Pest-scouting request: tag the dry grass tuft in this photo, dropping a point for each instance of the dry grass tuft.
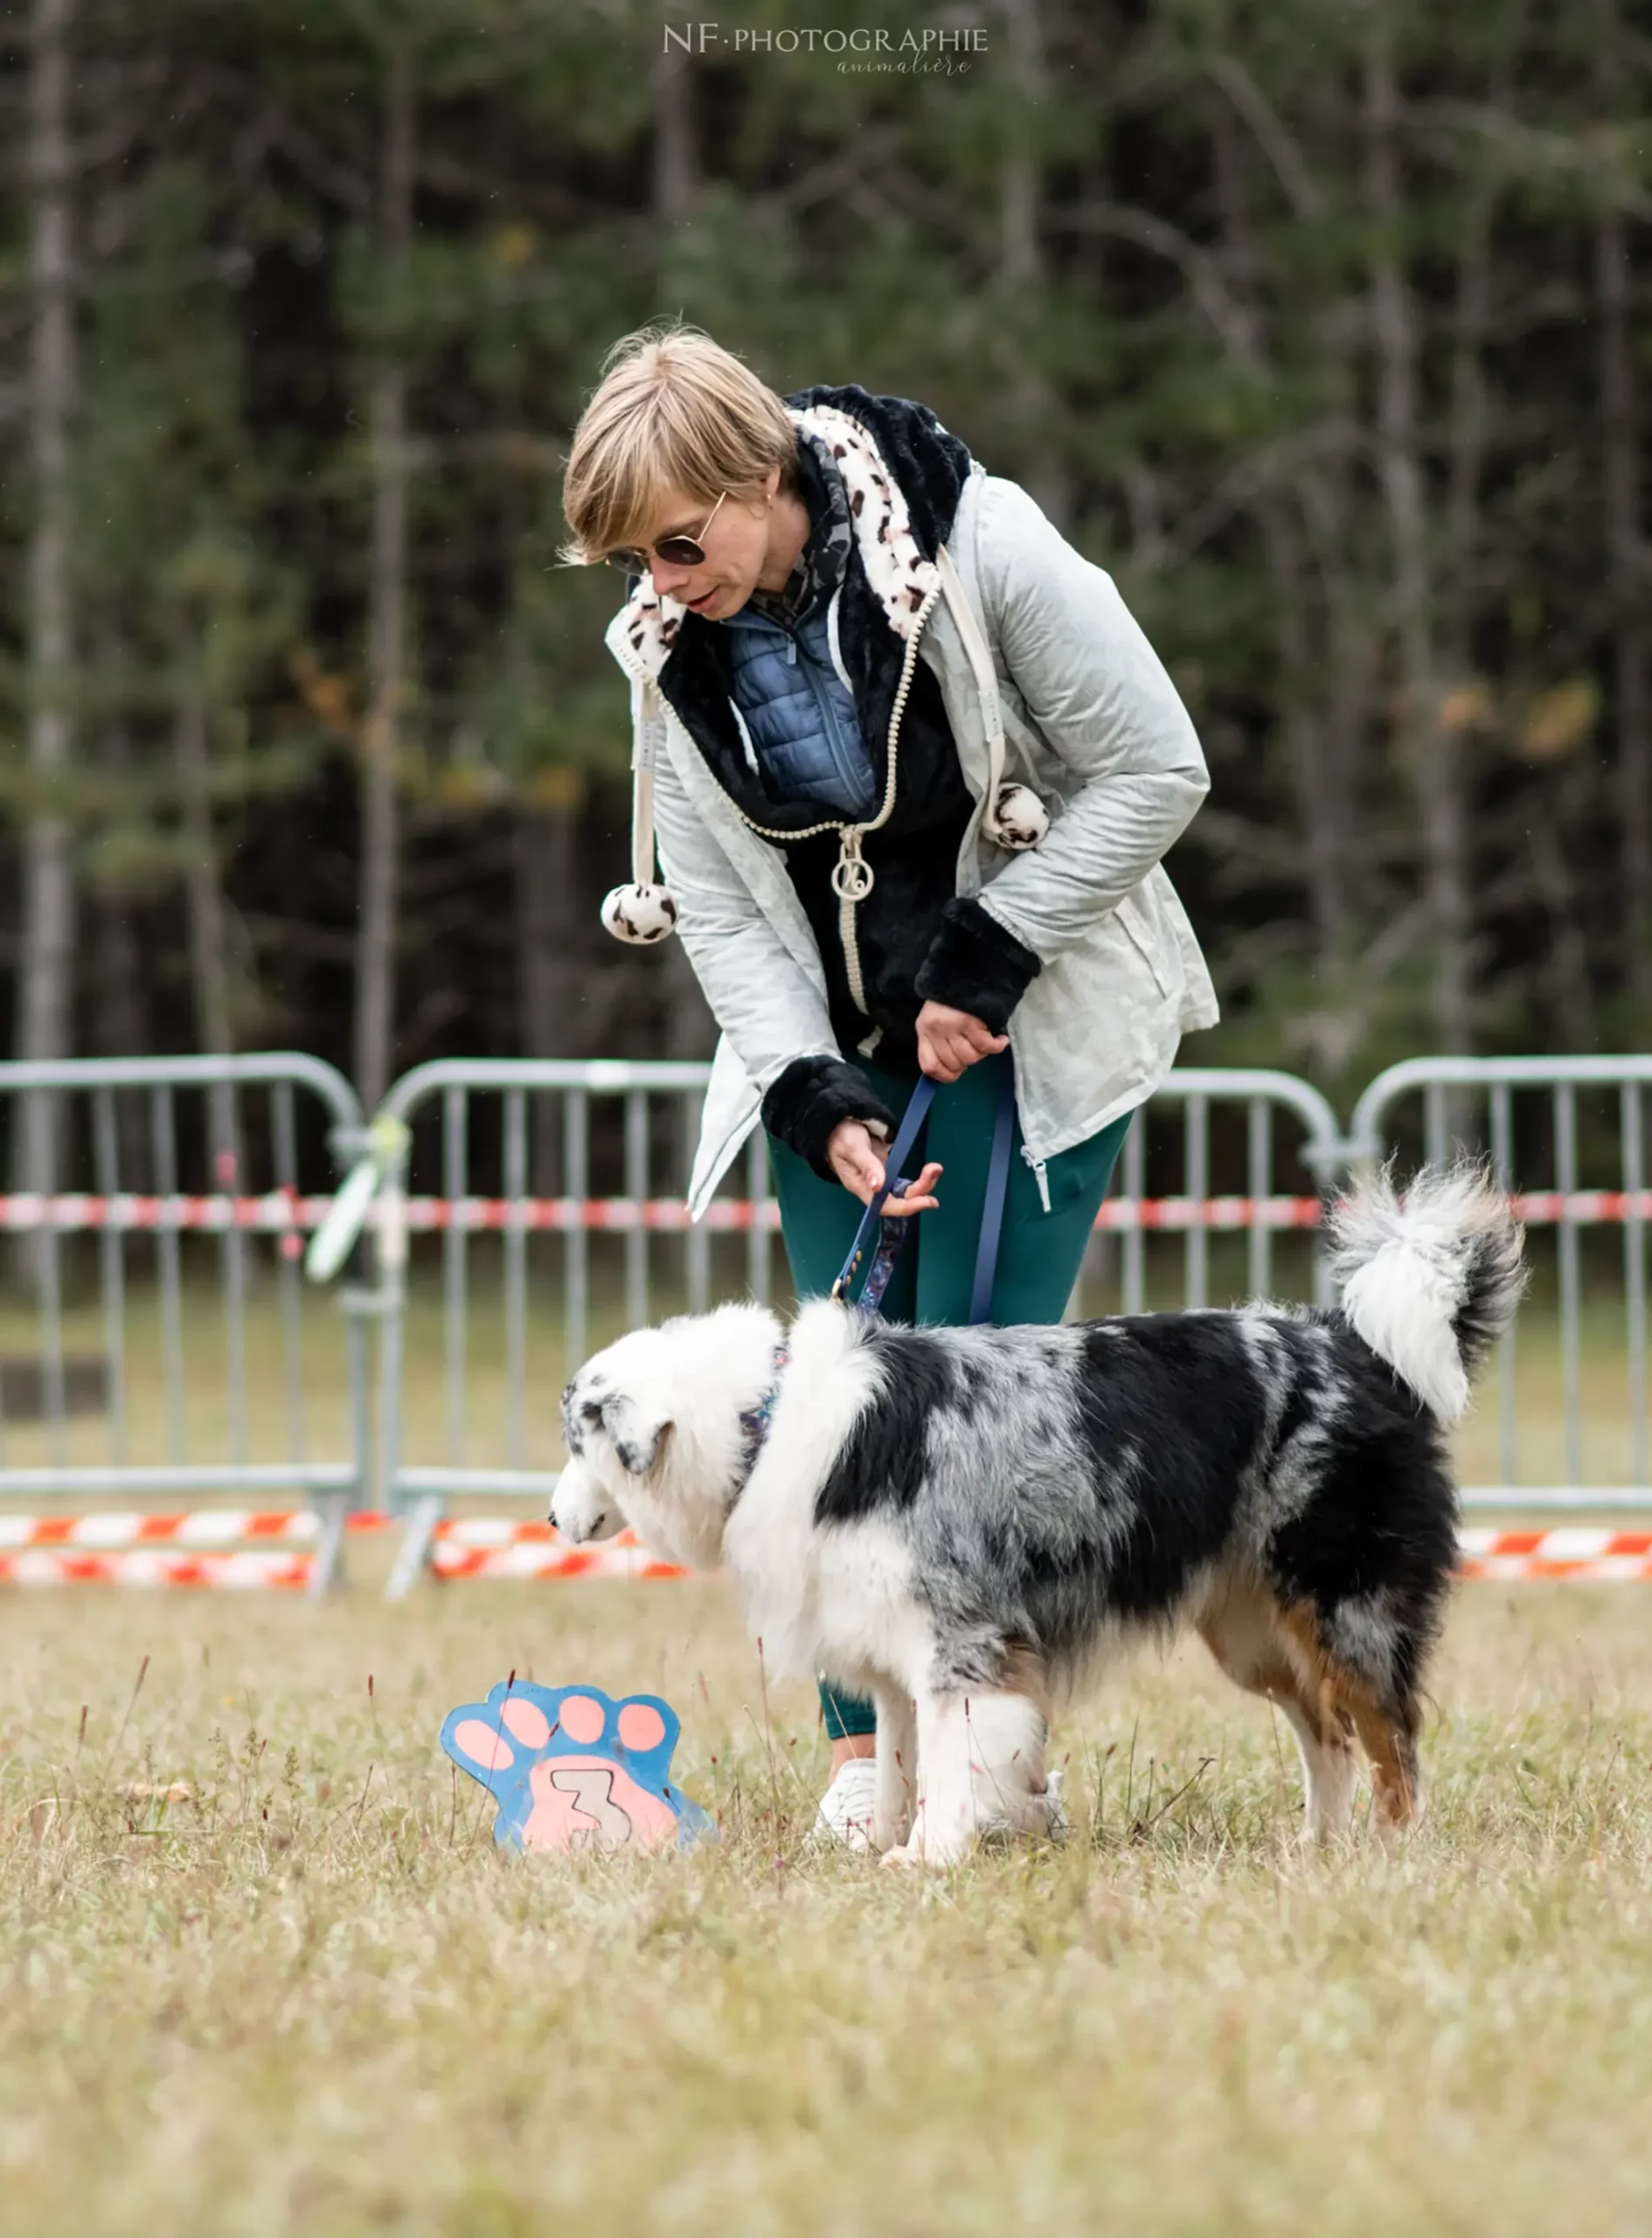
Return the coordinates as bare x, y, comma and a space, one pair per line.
265, 1972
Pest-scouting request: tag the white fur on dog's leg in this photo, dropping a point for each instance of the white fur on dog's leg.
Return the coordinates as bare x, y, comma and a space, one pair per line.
979, 1771
911, 1852
897, 1788
1327, 1780
946, 1823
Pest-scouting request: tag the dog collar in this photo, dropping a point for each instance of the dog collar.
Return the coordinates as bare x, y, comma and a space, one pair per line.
754, 1422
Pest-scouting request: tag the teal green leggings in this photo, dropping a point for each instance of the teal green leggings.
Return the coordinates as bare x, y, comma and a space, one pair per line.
1039, 1252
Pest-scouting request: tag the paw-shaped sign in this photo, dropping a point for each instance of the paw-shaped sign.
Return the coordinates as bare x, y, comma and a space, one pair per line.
572, 1770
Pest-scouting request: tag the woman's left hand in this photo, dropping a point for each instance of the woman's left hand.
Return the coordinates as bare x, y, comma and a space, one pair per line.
950, 1041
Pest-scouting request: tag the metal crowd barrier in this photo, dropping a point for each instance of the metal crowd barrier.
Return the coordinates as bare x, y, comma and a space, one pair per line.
154, 1341
483, 1171
172, 1229
1568, 1137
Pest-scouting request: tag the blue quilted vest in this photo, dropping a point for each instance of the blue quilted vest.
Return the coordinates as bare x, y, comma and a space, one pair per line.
801, 729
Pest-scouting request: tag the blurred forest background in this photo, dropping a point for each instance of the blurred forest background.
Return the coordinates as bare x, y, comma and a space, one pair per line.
1322, 323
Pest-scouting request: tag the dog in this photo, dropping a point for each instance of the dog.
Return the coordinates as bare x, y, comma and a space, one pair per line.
964, 1523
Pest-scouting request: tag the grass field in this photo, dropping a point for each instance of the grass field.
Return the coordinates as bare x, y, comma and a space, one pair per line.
305, 1994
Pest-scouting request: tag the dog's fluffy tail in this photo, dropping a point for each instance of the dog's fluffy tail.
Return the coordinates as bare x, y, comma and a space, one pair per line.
1431, 1282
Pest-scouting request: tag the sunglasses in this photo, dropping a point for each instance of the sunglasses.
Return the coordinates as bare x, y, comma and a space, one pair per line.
676, 551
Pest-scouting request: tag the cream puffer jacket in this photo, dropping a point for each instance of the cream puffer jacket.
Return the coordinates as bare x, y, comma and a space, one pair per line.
1087, 717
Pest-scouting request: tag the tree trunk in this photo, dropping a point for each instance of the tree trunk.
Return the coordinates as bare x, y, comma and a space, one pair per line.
1567, 969
1309, 738
1469, 423
45, 961
1620, 491
120, 1014
208, 925
1469, 413
1029, 408
376, 939
1313, 775
552, 1023
676, 171
208, 933
119, 1025
1432, 752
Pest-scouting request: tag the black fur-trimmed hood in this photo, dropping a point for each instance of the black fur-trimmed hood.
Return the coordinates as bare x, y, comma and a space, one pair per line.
930, 465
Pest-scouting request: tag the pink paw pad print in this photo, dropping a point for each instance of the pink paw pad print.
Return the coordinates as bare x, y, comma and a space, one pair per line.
571, 1769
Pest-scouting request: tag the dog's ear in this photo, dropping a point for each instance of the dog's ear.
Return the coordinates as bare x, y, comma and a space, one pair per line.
633, 1431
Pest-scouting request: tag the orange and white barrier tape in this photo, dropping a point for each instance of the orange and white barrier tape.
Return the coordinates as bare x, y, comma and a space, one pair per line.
611, 1558
284, 1213
501, 1546
280, 1210
1583, 1208
219, 1527
107, 1533
1578, 1551
739, 1215
623, 1215
257, 1569
194, 1550
205, 1550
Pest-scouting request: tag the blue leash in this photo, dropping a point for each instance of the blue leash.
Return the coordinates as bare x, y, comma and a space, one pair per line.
891, 1234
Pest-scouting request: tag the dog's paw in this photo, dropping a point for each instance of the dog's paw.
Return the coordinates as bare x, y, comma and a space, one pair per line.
923, 1850
572, 1770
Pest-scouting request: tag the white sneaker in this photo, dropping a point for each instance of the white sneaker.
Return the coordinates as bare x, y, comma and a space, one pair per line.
845, 1812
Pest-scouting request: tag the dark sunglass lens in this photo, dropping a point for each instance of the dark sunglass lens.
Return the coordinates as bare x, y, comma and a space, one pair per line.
628, 563
679, 552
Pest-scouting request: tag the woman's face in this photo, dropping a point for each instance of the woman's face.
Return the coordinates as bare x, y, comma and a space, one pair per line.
736, 546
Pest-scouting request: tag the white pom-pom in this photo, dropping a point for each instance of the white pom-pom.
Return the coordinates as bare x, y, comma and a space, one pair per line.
641, 914
1019, 818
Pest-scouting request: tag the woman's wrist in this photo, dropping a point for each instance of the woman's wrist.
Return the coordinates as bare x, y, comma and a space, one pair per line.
811, 1097
977, 965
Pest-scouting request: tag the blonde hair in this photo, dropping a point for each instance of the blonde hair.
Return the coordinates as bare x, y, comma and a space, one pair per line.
674, 411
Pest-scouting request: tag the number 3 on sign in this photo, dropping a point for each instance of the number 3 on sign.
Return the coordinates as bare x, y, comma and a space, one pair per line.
571, 1769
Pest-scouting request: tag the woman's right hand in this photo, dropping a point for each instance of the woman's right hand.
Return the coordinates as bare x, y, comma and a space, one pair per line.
856, 1157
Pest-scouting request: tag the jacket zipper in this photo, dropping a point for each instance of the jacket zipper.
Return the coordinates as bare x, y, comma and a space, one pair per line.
1040, 1174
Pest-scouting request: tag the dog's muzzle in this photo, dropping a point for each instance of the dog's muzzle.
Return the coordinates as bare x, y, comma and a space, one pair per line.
582, 1508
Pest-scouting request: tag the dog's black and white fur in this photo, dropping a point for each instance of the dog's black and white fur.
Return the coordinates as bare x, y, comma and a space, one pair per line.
960, 1522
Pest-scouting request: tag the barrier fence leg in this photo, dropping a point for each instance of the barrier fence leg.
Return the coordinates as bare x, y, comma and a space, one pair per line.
329, 1573
358, 1306
418, 1531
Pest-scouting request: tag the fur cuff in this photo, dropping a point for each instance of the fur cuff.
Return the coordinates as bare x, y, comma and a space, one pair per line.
976, 964
809, 1100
